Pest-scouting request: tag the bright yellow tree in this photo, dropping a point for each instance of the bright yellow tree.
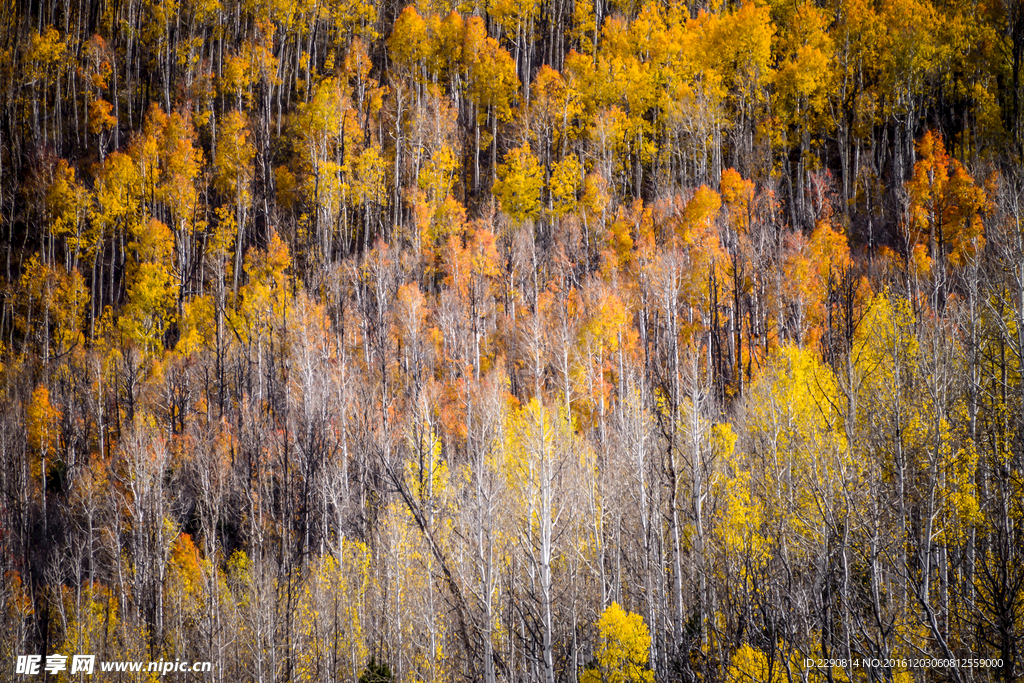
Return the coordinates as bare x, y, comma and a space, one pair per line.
521, 180
623, 650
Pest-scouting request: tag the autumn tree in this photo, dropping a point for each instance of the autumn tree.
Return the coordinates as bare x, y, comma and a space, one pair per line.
945, 206
622, 652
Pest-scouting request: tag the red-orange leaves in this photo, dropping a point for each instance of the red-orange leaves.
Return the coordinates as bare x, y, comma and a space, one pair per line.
738, 195
945, 204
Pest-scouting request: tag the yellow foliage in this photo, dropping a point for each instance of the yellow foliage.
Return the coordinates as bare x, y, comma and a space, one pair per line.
46, 54
740, 46
564, 185
513, 15
369, 183
93, 618
492, 72
795, 404
535, 437
197, 326
957, 491
699, 214
118, 188
799, 440
232, 163
909, 49
446, 52
596, 197
67, 202
557, 106
152, 291
63, 298
337, 591
750, 665
620, 240
331, 166
740, 526
236, 77
265, 299
608, 323
521, 180
409, 42
439, 174
354, 17
623, 649
885, 342
723, 440
427, 473
41, 421
805, 77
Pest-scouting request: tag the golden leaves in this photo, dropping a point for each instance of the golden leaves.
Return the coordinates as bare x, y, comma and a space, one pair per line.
265, 299
41, 421
60, 301
521, 180
623, 649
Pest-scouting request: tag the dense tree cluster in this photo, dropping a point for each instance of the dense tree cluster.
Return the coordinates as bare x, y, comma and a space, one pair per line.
518, 341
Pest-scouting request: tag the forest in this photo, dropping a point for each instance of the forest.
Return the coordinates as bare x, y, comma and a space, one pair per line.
529, 341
